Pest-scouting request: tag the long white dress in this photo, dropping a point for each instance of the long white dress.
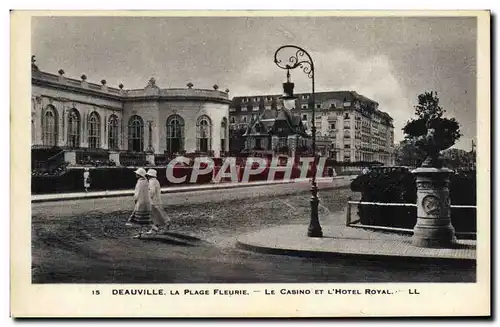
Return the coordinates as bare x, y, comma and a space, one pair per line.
158, 214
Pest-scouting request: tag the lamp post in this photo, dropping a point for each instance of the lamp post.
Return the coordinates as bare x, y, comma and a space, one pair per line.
301, 59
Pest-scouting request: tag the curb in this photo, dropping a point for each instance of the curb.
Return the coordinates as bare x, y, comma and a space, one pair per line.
209, 187
354, 256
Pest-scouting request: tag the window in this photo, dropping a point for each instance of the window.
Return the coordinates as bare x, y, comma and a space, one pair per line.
94, 130
258, 143
347, 146
304, 117
204, 134
332, 126
136, 134
113, 132
304, 97
233, 120
304, 106
223, 134
255, 108
347, 134
73, 128
245, 119
50, 126
318, 106
244, 100
346, 116
243, 108
282, 142
332, 105
175, 134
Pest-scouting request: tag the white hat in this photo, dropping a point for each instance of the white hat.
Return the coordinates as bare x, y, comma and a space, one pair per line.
151, 172
141, 172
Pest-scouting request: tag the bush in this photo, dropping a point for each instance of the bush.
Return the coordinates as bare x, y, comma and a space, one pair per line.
400, 187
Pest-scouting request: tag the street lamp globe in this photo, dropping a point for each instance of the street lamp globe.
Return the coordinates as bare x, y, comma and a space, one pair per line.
289, 103
288, 97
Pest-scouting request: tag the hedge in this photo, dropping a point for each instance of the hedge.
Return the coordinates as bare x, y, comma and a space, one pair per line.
118, 178
400, 187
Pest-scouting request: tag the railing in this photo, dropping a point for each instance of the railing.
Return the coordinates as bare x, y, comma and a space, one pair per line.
87, 156
132, 159
55, 161
356, 223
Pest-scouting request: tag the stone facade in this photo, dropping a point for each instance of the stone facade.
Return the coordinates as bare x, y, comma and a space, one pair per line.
70, 113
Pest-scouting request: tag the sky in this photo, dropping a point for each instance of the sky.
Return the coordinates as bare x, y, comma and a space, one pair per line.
388, 59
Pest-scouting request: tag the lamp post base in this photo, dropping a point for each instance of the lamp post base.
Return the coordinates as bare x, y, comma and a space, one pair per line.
314, 229
433, 228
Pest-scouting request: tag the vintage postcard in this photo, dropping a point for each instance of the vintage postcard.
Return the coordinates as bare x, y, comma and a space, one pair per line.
250, 163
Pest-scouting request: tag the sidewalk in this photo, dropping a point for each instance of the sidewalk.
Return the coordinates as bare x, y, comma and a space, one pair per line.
341, 241
336, 182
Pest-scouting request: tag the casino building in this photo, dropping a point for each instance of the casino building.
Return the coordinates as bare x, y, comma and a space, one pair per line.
81, 121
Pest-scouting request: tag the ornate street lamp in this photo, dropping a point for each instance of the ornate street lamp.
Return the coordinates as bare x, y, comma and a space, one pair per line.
301, 59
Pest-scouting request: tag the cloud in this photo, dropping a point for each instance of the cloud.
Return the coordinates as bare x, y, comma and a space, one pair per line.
341, 69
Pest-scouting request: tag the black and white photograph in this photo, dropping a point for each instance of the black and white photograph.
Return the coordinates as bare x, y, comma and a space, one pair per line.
252, 156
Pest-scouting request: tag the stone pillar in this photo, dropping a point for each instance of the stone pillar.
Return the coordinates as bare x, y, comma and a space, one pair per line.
150, 158
433, 228
150, 148
70, 157
115, 156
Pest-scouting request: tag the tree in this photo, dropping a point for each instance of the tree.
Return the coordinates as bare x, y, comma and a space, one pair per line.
459, 159
408, 154
430, 132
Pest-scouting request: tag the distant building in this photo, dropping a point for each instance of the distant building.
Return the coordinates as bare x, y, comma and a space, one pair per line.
349, 126
276, 131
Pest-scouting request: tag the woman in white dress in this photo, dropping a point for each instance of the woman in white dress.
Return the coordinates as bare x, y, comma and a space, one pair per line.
141, 216
158, 214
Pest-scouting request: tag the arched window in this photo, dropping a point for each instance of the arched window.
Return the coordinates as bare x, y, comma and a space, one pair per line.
204, 134
74, 128
50, 125
94, 130
136, 134
223, 134
113, 132
175, 134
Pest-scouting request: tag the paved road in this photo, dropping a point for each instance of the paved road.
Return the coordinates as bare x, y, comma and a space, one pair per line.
85, 241
107, 205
